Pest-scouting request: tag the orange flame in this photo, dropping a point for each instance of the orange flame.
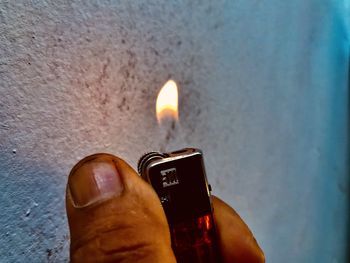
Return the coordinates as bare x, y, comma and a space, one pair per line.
167, 102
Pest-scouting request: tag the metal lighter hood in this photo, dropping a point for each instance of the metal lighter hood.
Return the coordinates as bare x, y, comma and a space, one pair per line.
180, 181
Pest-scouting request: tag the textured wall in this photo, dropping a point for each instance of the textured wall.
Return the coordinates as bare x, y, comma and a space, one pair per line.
263, 91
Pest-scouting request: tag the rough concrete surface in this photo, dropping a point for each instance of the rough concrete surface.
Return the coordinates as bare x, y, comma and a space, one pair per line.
263, 91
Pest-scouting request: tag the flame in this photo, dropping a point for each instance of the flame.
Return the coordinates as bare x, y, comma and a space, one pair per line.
167, 102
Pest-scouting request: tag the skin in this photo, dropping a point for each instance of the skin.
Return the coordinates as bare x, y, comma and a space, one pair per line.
129, 225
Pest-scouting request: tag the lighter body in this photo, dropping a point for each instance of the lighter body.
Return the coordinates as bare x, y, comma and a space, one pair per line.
180, 182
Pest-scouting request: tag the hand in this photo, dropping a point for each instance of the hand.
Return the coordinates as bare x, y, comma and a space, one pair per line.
115, 216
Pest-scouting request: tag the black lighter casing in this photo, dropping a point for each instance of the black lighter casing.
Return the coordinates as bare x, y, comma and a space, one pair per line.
180, 181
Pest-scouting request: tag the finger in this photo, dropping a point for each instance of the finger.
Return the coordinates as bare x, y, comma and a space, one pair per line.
114, 215
237, 242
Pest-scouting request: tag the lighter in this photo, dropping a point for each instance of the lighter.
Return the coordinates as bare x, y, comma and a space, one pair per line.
180, 181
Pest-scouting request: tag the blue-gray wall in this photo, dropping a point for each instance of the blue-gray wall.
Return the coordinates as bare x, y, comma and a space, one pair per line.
263, 91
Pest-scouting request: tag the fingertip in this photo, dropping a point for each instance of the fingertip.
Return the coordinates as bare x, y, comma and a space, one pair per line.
237, 242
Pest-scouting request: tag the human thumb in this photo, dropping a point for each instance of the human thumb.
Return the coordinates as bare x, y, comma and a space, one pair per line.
113, 215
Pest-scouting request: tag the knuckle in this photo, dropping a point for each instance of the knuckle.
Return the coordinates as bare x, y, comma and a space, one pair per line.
110, 247
114, 241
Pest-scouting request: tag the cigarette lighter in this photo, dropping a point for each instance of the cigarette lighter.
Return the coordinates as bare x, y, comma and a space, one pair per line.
180, 181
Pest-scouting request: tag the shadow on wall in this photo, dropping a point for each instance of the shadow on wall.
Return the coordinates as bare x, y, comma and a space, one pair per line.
348, 155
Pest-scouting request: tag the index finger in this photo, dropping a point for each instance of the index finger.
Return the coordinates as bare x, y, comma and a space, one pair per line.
237, 242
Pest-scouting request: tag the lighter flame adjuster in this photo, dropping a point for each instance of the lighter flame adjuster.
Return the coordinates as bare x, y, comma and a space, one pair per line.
180, 181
